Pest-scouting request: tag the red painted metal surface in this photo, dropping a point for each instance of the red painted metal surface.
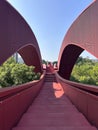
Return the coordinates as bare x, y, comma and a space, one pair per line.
82, 35
52, 110
17, 36
14, 101
84, 97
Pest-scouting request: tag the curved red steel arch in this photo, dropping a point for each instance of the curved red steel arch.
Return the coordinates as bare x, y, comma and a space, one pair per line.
82, 35
16, 36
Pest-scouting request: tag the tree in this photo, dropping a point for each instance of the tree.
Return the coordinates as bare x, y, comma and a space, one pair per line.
44, 62
85, 71
12, 73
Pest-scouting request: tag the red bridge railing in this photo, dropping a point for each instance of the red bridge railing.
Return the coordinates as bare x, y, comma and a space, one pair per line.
84, 97
14, 101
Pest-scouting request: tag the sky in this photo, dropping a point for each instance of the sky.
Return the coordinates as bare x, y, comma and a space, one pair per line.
50, 21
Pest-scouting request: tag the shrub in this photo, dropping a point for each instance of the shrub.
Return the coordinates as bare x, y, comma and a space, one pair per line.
12, 73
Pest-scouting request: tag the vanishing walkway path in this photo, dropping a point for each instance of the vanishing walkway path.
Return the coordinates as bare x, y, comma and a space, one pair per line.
52, 110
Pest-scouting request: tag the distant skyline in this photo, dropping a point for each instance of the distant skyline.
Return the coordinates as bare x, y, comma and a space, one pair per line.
50, 20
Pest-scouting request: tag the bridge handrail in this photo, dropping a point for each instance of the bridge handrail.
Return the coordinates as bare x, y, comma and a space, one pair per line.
88, 88
84, 97
14, 101
10, 91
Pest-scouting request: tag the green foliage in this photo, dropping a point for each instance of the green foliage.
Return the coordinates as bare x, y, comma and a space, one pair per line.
12, 73
85, 71
55, 62
44, 62
5, 73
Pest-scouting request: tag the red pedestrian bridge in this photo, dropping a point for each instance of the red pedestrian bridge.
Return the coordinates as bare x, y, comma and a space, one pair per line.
53, 102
